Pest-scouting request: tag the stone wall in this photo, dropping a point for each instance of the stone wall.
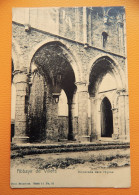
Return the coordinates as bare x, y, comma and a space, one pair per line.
63, 127
28, 43
71, 22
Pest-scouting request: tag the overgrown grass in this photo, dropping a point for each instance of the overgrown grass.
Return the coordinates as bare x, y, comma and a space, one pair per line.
66, 162
17, 151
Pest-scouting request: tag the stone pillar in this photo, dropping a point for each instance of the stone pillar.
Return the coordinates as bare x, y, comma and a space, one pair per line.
121, 26
51, 117
77, 35
57, 21
75, 115
123, 115
94, 131
115, 134
82, 90
54, 124
70, 117
21, 83
85, 26
127, 117
48, 133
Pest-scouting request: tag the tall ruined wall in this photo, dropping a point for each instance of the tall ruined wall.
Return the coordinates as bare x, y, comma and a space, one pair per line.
82, 24
28, 41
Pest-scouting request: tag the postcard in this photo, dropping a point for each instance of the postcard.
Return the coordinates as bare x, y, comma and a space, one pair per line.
70, 113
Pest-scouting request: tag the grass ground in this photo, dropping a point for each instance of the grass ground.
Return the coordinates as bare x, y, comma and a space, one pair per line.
109, 158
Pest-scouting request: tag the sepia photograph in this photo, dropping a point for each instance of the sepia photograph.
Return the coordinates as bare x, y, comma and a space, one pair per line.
69, 101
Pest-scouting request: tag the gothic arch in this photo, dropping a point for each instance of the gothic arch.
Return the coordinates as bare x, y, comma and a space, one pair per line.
101, 65
113, 99
57, 65
100, 100
66, 51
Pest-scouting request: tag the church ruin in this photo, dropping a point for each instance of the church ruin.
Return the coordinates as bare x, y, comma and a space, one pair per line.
69, 75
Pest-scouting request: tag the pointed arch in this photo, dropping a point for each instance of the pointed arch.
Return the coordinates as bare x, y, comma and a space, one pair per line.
99, 67
66, 51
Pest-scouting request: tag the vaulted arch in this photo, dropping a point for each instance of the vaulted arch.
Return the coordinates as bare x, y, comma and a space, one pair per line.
56, 68
74, 62
99, 69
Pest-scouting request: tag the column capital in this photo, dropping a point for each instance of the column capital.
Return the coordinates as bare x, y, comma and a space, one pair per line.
92, 97
81, 87
114, 109
20, 77
122, 92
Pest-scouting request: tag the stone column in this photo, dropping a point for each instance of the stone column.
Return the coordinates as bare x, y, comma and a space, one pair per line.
115, 134
70, 117
94, 131
85, 27
21, 83
77, 36
55, 135
48, 133
123, 115
57, 21
121, 26
82, 90
127, 117
51, 117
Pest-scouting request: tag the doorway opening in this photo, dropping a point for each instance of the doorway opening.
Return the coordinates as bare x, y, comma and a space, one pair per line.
106, 118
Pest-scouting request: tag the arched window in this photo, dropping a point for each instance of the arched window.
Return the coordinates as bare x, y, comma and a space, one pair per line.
104, 38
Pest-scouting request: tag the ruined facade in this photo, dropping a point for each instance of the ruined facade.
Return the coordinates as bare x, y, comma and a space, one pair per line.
72, 51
